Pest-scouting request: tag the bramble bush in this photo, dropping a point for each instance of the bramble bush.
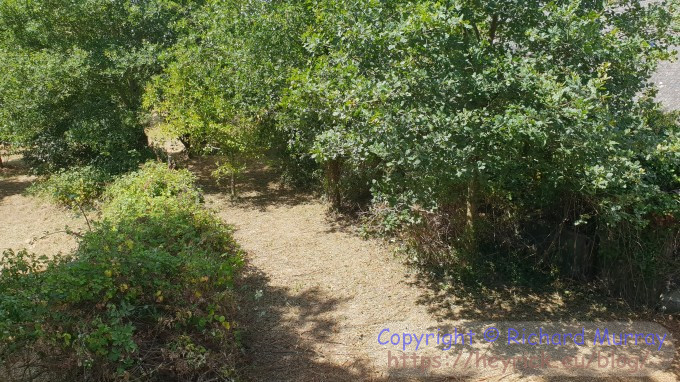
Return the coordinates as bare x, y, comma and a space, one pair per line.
152, 191
78, 187
148, 295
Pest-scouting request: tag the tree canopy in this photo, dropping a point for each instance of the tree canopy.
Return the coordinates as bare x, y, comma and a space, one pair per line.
74, 75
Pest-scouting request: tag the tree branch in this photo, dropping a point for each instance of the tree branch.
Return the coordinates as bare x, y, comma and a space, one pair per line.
493, 28
82, 211
474, 27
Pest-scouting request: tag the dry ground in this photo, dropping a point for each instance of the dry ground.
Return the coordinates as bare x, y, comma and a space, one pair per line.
28, 222
317, 294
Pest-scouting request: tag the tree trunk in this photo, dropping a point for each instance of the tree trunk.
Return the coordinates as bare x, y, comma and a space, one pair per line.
232, 185
471, 215
143, 140
185, 139
493, 28
333, 180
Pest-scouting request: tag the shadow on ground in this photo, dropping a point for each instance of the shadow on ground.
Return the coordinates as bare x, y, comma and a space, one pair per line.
490, 300
561, 301
258, 187
282, 347
12, 177
13, 186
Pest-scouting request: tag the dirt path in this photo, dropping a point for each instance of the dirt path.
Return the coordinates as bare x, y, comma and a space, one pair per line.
323, 289
28, 222
318, 294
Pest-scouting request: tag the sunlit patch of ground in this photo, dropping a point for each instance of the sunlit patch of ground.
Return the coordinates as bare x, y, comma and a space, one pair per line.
29, 222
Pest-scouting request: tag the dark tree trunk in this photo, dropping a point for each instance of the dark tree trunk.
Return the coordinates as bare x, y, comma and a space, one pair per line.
471, 215
333, 173
185, 139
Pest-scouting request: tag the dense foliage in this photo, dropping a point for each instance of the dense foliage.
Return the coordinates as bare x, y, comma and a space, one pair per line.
76, 188
147, 296
223, 79
504, 116
74, 74
521, 128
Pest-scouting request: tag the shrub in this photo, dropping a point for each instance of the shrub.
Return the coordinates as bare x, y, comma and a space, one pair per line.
227, 108
147, 295
151, 191
74, 188
73, 78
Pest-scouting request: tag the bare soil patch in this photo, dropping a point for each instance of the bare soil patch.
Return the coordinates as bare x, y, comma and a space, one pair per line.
28, 222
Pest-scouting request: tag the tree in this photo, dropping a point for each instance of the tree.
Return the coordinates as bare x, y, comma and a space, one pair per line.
75, 74
474, 124
223, 79
496, 114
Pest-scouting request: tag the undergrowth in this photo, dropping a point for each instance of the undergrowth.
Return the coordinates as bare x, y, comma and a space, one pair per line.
147, 296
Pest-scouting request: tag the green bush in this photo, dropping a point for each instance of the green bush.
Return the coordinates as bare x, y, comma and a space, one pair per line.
228, 108
480, 131
148, 295
74, 75
476, 121
74, 188
153, 190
